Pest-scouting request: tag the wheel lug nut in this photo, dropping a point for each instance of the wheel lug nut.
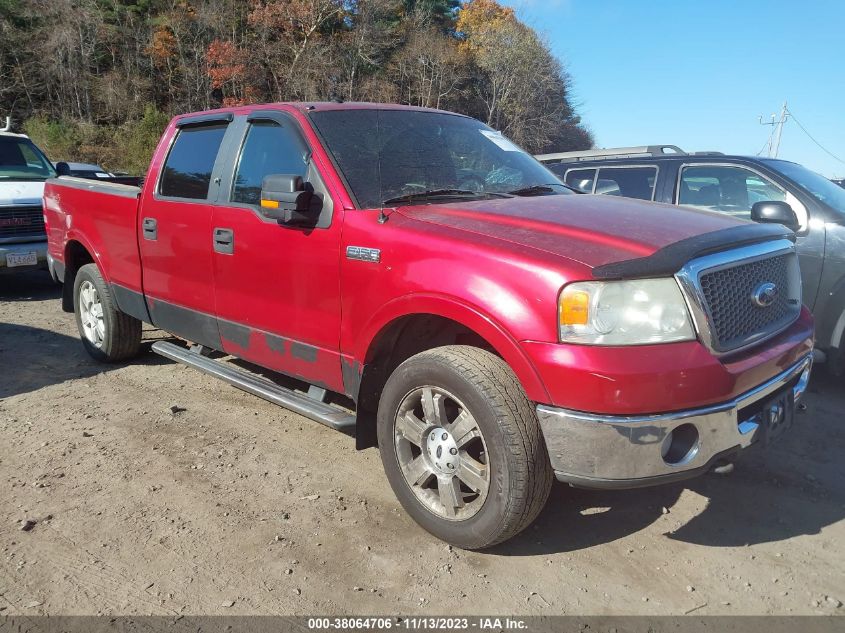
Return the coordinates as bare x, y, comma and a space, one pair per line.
448, 465
432, 436
445, 437
453, 450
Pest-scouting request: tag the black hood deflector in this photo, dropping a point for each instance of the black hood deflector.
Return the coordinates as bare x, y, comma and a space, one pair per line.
670, 259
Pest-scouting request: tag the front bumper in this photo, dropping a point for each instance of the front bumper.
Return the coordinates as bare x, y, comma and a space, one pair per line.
39, 247
598, 451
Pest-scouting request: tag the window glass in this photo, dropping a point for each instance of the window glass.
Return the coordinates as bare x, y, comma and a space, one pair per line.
730, 190
581, 179
387, 154
269, 148
820, 187
630, 182
21, 160
187, 170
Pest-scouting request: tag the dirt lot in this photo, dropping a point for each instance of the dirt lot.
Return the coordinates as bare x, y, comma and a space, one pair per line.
236, 506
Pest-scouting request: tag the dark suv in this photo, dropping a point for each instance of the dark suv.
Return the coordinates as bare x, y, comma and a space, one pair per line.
750, 187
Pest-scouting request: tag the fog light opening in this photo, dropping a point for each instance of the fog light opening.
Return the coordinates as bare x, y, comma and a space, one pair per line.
680, 445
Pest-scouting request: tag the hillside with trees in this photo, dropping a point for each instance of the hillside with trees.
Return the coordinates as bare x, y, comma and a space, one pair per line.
97, 80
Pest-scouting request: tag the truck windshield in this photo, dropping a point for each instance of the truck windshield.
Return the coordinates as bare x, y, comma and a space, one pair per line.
387, 156
20, 159
815, 184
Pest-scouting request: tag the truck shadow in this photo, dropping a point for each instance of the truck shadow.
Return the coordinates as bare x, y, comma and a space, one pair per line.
33, 358
32, 285
794, 488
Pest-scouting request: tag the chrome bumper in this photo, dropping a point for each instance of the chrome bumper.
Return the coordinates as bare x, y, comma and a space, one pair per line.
40, 248
630, 451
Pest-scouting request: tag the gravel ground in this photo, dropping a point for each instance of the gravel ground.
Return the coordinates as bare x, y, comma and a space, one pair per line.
236, 506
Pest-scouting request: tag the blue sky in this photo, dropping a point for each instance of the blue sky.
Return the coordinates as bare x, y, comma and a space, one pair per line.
698, 74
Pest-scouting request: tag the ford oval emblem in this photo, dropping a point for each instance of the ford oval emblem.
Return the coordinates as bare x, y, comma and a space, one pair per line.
764, 295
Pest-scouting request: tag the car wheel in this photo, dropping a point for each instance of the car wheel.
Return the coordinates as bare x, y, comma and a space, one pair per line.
108, 334
462, 447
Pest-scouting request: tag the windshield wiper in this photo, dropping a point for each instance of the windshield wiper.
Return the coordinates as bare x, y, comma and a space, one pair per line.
538, 190
444, 193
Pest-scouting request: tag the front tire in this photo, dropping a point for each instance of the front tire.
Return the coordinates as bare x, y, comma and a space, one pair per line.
462, 447
108, 334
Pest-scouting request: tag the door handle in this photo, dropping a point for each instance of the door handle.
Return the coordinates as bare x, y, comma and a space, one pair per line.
224, 241
150, 229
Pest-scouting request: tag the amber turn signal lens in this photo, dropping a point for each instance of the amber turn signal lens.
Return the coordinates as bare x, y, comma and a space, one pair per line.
270, 204
574, 307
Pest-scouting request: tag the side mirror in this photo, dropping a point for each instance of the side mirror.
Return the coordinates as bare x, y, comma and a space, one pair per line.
775, 212
287, 199
62, 169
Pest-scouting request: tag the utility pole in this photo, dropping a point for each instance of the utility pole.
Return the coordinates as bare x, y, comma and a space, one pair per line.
777, 131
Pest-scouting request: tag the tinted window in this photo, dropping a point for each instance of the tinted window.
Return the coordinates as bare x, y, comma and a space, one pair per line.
269, 148
630, 182
387, 154
21, 160
731, 190
187, 170
820, 187
581, 179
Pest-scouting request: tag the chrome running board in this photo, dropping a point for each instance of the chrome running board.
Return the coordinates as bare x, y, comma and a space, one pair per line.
259, 386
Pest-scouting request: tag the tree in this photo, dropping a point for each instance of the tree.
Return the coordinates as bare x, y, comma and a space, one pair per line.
522, 88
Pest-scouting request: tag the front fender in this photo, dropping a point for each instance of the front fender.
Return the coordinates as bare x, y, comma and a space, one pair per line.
467, 315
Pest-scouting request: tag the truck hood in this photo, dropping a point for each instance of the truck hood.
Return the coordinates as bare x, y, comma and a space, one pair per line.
592, 230
20, 193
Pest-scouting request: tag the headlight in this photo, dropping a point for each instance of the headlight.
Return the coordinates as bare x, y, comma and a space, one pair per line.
637, 312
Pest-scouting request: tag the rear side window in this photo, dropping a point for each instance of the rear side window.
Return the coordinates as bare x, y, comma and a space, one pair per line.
268, 149
187, 170
581, 179
630, 182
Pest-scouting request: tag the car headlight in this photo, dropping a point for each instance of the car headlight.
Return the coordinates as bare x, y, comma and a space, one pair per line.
636, 312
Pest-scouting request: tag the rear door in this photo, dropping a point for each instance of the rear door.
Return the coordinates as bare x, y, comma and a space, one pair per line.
277, 286
175, 233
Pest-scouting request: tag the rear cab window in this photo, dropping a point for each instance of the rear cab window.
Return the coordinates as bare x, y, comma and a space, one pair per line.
187, 169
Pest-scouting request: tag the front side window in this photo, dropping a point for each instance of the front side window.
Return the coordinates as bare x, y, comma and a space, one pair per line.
385, 155
187, 170
21, 160
269, 148
727, 189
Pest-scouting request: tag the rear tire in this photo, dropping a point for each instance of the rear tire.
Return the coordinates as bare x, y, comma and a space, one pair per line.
108, 334
456, 429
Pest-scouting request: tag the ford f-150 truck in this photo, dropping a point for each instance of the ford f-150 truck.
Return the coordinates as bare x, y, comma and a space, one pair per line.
413, 276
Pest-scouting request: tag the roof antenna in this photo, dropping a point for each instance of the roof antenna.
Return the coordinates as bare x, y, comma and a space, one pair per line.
382, 216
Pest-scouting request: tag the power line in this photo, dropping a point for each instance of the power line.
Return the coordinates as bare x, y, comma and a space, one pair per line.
810, 136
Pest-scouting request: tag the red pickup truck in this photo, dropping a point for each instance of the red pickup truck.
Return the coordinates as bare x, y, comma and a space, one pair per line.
413, 276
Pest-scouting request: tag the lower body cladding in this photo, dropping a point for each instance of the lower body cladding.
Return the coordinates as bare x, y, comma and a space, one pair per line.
595, 451
23, 256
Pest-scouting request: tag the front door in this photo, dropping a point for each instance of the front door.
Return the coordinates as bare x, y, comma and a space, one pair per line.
277, 286
733, 190
174, 229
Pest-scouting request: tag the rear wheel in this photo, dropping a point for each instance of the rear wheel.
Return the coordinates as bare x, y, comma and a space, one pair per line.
107, 334
462, 447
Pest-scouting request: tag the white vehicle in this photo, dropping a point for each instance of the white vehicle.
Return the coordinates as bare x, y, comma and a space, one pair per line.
23, 170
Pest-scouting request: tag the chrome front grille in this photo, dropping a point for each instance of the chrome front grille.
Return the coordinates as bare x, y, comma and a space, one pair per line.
743, 296
21, 222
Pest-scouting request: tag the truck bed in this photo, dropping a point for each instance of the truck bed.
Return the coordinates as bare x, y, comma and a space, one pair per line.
102, 216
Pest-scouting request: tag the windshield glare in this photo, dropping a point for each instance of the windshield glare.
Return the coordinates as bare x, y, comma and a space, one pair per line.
20, 159
817, 185
388, 154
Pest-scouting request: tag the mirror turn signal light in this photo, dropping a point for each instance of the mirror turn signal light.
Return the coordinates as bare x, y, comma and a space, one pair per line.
270, 204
